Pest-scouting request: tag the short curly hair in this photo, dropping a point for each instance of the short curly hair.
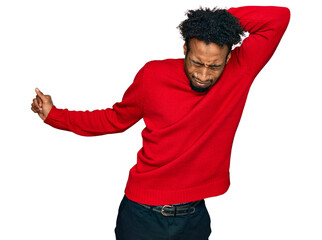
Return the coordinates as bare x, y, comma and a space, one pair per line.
211, 26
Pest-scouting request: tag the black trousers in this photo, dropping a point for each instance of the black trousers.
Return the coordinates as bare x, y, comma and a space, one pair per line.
136, 222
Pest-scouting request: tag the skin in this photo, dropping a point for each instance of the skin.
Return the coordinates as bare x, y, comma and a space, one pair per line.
41, 104
204, 63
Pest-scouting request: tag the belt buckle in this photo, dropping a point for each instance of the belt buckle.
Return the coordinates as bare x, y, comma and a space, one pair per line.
164, 213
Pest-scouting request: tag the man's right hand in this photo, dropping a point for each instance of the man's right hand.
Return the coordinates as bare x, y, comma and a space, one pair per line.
42, 104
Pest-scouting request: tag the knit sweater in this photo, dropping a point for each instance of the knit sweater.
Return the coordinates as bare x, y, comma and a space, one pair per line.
188, 136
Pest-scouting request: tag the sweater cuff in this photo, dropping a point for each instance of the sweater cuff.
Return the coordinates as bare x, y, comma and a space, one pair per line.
55, 118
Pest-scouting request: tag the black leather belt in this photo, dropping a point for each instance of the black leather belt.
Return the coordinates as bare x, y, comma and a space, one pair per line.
174, 210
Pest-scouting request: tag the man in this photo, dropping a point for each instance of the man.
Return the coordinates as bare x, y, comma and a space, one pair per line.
191, 108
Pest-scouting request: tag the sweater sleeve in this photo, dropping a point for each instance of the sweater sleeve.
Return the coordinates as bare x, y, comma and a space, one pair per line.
117, 119
266, 26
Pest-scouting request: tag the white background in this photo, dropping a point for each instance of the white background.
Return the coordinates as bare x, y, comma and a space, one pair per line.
57, 185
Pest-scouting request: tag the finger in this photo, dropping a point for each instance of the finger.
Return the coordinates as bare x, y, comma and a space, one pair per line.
35, 103
39, 101
40, 94
40, 114
34, 108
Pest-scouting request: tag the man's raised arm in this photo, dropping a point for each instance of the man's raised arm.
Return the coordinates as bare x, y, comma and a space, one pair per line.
98, 122
266, 26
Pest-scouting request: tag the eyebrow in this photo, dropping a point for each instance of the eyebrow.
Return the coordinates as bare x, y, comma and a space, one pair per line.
201, 64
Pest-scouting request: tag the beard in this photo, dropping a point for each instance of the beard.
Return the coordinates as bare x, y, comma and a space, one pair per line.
198, 89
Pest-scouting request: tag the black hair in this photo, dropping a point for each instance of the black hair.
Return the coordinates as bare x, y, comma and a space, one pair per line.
211, 26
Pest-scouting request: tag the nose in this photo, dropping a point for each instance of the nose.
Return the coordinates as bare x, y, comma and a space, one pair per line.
203, 74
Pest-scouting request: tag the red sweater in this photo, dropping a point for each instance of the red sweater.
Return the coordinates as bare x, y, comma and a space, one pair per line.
188, 136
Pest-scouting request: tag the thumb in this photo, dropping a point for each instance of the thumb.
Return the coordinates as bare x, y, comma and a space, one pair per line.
40, 94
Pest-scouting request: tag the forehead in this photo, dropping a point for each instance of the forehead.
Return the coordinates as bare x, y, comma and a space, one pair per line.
207, 53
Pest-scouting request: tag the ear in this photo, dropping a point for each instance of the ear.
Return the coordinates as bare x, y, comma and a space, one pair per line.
185, 49
228, 57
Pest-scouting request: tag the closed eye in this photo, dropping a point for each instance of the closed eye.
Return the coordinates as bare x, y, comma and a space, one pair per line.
197, 63
214, 66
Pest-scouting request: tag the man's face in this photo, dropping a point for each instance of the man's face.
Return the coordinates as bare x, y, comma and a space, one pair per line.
204, 63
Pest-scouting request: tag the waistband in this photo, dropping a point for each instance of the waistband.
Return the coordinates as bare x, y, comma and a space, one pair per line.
175, 209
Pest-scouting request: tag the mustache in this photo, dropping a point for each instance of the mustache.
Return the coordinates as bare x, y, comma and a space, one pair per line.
209, 80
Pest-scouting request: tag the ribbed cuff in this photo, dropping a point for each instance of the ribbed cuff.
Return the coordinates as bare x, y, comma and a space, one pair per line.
56, 119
